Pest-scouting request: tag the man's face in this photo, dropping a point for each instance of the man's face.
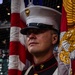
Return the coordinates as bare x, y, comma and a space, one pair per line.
40, 41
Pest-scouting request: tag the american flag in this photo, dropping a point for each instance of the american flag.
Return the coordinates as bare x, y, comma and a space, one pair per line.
18, 52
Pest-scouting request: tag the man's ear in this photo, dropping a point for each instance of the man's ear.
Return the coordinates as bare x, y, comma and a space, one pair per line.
54, 38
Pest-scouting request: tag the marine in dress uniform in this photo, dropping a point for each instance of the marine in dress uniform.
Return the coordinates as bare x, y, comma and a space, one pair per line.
49, 67
40, 17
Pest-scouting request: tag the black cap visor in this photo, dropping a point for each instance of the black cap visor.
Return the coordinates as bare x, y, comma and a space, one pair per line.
36, 26
26, 29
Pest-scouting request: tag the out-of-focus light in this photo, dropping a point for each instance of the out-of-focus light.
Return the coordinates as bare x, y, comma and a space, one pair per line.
8, 13
1, 1
4, 41
1, 73
58, 6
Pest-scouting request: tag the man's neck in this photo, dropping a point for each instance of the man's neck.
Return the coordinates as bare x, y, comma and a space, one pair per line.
42, 58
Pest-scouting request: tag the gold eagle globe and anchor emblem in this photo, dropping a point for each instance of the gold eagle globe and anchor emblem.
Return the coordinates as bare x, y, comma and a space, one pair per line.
69, 45
67, 42
27, 12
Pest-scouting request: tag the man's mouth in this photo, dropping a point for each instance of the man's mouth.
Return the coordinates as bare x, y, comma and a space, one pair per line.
32, 43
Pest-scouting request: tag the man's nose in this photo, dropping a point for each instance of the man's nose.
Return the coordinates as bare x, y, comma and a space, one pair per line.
31, 35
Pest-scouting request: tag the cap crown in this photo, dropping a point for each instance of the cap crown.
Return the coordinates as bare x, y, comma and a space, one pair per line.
41, 14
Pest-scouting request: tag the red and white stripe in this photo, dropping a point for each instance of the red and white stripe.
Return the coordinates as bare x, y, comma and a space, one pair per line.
17, 53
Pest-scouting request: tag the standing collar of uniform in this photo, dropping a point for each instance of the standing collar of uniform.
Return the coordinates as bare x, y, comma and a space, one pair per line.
49, 63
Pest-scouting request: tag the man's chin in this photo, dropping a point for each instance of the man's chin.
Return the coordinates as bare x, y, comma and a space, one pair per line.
32, 49
36, 53
33, 52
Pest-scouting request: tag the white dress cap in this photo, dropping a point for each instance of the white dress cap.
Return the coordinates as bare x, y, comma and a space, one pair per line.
41, 14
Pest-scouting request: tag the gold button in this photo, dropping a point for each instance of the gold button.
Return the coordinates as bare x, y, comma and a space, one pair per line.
35, 74
41, 66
